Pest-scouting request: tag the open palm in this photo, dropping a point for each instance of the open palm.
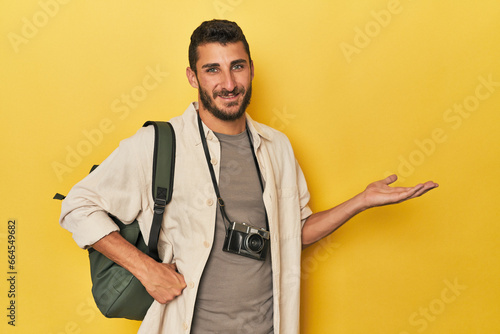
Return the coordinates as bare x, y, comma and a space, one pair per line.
380, 193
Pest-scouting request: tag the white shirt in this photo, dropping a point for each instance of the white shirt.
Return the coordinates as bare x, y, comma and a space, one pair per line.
122, 186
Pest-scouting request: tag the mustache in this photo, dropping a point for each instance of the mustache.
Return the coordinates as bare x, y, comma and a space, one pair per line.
225, 92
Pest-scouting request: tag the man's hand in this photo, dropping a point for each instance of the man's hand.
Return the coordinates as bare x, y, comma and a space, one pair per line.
380, 193
163, 282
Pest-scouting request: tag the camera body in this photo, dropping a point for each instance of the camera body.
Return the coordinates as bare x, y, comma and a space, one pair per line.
247, 240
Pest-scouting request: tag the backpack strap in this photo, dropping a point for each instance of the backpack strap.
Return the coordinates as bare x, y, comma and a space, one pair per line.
163, 179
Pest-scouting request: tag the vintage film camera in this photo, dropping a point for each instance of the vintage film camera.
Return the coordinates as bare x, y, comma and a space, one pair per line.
247, 240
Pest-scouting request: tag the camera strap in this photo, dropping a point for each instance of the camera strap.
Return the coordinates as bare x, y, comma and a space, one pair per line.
220, 202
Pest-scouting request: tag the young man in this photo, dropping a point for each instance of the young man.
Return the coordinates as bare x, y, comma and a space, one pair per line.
201, 288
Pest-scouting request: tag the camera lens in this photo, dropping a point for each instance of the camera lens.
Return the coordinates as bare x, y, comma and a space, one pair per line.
254, 243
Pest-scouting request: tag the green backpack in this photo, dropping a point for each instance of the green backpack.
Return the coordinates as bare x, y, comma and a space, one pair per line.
117, 293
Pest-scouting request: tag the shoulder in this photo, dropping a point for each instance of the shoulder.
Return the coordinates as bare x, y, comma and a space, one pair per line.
270, 135
142, 140
139, 148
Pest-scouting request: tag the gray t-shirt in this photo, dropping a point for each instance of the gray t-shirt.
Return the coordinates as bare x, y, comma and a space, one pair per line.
235, 293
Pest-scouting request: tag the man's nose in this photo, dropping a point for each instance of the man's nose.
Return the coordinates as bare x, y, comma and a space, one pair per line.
228, 81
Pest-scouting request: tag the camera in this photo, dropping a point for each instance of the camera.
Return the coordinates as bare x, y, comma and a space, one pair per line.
246, 240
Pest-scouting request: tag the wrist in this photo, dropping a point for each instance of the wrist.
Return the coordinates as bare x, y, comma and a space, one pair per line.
143, 266
360, 203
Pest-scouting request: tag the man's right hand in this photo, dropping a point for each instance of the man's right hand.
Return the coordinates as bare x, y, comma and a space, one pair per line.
163, 282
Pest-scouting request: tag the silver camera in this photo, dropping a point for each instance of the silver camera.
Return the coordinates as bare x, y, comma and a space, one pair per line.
246, 240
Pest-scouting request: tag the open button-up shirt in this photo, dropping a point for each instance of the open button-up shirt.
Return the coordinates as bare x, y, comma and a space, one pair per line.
122, 186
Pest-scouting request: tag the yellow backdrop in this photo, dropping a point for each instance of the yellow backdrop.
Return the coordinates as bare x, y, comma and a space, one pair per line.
362, 88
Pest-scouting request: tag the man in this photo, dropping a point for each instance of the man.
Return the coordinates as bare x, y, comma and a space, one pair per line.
200, 288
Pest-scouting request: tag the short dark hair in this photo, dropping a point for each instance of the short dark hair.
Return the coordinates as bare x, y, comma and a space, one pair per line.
215, 31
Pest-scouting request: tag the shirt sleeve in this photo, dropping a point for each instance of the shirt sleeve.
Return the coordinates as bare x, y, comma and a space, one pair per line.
304, 196
118, 187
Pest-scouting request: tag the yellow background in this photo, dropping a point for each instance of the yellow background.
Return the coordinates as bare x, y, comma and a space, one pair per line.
362, 89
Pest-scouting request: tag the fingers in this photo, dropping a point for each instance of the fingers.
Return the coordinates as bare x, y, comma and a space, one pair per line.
402, 194
425, 188
166, 283
178, 281
380, 193
172, 266
390, 179
417, 190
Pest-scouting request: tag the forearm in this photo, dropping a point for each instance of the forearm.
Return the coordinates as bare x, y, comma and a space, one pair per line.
122, 252
321, 224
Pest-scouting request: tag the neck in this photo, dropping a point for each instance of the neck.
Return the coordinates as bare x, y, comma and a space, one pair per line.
225, 127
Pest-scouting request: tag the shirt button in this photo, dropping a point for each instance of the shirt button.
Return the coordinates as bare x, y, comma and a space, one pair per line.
206, 244
210, 136
210, 202
191, 285
213, 161
185, 325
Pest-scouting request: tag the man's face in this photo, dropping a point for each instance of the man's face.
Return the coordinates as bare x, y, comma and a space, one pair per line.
224, 79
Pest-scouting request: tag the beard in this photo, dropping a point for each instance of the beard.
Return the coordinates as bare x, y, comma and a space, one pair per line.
208, 102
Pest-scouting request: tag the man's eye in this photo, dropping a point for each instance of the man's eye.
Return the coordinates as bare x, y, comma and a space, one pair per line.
237, 67
212, 70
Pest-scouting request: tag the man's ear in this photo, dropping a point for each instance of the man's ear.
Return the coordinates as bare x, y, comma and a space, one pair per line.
193, 81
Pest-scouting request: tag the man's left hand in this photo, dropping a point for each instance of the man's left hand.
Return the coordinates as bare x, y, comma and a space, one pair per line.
380, 193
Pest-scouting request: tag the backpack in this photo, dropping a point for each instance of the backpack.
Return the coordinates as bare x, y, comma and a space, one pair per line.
117, 293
